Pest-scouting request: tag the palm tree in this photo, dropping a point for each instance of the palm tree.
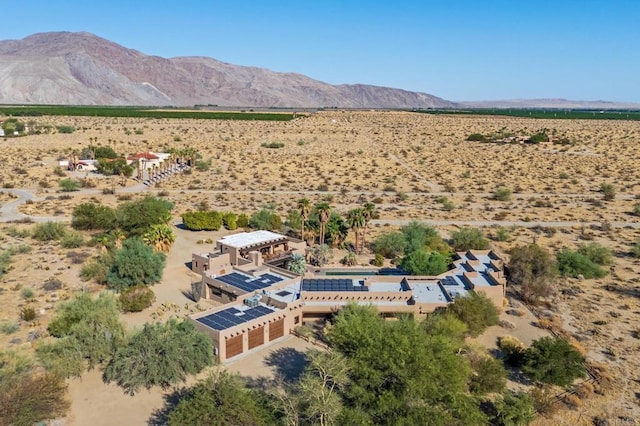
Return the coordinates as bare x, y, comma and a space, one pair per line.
355, 220
160, 237
369, 212
337, 229
324, 211
305, 208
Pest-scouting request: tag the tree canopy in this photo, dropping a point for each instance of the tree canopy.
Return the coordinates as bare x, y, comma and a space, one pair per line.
555, 361
135, 263
159, 355
533, 269
136, 217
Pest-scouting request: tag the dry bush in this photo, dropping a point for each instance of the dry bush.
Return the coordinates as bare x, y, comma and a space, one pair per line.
577, 346
585, 390
513, 349
544, 400
572, 401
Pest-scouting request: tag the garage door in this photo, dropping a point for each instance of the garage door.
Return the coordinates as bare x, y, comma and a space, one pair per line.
234, 346
276, 329
256, 337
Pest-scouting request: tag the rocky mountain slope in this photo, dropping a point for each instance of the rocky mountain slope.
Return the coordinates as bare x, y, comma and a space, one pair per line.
81, 68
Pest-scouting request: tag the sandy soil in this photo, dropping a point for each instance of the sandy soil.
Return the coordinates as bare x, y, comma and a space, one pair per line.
402, 162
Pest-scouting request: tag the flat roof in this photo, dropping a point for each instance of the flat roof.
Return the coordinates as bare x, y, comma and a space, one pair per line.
248, 239
235, 315
249, 283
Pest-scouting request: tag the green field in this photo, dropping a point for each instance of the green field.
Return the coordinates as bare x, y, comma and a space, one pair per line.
139, 112
573, 114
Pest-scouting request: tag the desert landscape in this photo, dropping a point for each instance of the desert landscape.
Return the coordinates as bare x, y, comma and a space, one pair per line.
412, 166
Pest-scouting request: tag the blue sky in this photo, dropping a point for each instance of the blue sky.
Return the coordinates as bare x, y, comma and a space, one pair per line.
455, 49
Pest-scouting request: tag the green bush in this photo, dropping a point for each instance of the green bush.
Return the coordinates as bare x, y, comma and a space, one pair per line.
69, 185
243, 221
272, 145
49, 231
28, 314
476, 310
534, 270
469, 239
421, 262
475, 137
97, 269
65, 129
573, 264
134, 264
170, 351
9, 327
636, 209
229, 220
502, 234
136, 217
72, 239
514, 409
502, 194
490, 375
27, 293
203, 166
136, 298
63, 357
265, 219
608, 191
349, 259
596, 253
378, 260
202, 220
90, 216
553, 361
390, 244
512, 349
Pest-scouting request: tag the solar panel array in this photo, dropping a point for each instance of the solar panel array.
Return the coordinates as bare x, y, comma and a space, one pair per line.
230, 317
248, 283
331, 285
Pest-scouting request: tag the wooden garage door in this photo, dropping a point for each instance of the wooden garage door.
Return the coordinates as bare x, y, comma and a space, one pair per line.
256, 337
234, 346
276, 329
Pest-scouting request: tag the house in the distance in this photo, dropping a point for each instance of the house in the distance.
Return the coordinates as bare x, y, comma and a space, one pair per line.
263, 302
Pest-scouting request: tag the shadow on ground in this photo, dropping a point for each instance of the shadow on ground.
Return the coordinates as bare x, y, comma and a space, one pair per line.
288, 363
160, 416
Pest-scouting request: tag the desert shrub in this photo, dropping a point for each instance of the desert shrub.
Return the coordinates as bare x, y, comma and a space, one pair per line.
572, 401
135, 263
635, 249
297, 264
27, 399
218, 398
420, 236
136, 298
94, 324
489, 375
475, 137
97, 269
320, 255
378, 260
62, 357
544, 399
28, 314
608, 191
69, 185
585, 390
476, 310
553, 361
573, 264
512, 349
502, 194
349, 259
390, 244
9, 327
534, 270
502, 234
65, 129
229, 220
203, 166
58, 171
243, 220
421, 262
513, 409
596, 253
272, 145
636, 209
136, 217
27, 293
72, 239
265, 219
90, 216
539, 137
202, 220
469, 239
49, 231
170, 350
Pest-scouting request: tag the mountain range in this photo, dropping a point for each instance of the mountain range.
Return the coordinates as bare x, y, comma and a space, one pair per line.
67, 68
